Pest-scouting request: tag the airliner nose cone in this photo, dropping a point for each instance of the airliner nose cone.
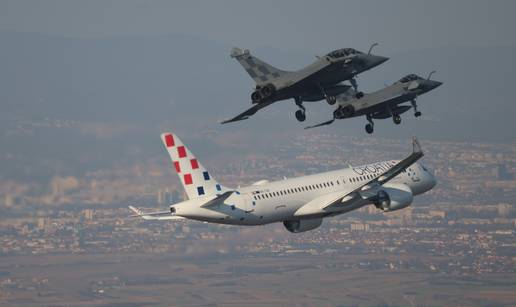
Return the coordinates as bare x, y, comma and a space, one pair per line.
431, 181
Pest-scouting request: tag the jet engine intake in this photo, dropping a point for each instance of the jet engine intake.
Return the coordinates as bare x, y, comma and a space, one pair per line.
393, 197
256, 97
302, 225
344, 111
268, 91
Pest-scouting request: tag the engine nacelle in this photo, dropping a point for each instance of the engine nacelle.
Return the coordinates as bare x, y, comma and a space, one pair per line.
268, 91
393, 196
344, 111
296, 226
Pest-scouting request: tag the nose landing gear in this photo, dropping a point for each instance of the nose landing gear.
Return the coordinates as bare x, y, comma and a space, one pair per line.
414, 105
354, 84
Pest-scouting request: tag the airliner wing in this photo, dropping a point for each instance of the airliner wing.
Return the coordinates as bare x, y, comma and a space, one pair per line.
159, 215
324, 204
246, 114
394, 171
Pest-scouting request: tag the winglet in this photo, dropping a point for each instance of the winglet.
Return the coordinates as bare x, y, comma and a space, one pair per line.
416, 148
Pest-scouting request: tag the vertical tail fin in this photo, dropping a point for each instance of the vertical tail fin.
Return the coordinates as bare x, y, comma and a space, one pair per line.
260, 71
196, 180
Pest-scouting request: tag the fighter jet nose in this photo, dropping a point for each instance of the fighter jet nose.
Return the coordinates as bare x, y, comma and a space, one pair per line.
376, 60
382, 59
433, 84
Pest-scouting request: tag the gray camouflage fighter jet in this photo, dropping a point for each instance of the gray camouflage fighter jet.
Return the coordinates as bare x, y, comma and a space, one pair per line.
383, 103
317, 81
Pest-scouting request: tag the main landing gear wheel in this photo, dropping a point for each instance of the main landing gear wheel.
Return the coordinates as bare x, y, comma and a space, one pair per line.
369, 128
417, 114
396, 119
359, 95
331, 100
300, 115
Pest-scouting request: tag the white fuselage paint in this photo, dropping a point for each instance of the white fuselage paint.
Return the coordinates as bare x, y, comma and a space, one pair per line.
278, 201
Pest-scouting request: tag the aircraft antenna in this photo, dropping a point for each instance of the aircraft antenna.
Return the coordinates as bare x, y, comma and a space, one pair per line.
430, 74
371, 48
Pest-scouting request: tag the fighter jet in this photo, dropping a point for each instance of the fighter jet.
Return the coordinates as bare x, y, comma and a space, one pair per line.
299, 203
383, 103
317, 81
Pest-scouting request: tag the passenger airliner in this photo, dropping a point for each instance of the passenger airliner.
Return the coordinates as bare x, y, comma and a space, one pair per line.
300, 203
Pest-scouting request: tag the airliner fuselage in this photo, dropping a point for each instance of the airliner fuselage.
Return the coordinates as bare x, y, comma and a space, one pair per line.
270, 202
300, 203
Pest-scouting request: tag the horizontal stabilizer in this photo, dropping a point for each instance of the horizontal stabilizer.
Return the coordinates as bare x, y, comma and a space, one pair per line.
159, 215
218, 200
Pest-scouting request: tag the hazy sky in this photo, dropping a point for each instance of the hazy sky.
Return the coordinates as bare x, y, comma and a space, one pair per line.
288, 25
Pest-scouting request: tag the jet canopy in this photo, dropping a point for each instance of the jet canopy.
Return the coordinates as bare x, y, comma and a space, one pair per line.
339, 53
411, 77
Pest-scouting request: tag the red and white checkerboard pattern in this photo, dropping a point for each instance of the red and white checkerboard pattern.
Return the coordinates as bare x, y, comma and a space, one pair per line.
195, 178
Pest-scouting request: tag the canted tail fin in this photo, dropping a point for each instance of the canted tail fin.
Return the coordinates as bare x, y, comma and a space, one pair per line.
196, 180
260, 71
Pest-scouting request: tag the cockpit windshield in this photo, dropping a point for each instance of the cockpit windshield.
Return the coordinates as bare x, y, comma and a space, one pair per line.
409, 78
342, 53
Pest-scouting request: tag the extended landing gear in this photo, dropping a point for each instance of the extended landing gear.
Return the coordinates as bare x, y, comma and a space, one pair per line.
369, 128
331, 100
354, 84
300, 114
414, 105
396, 119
